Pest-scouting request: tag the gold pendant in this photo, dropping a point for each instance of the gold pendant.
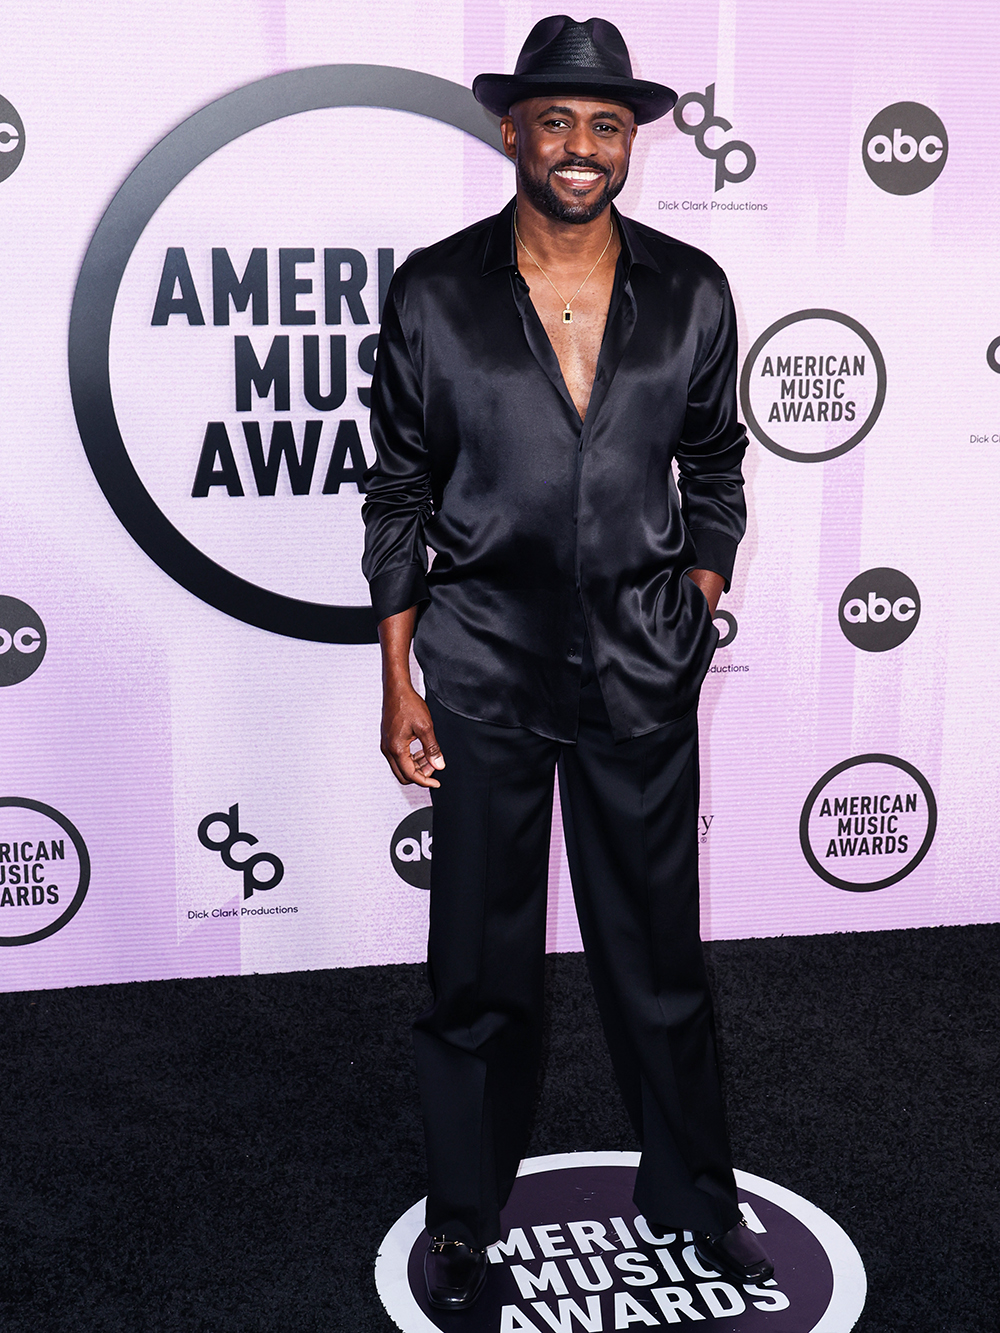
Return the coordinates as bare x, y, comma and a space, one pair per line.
567, 316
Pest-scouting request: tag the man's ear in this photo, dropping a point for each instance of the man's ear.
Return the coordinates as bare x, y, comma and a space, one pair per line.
508, 132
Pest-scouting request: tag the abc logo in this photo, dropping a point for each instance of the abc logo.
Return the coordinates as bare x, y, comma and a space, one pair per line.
879, 610
11, 139
743, 154
905, 148
22, 641
410, 848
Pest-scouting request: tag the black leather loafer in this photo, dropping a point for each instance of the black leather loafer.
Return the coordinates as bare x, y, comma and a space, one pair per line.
736, 1253
454, 1273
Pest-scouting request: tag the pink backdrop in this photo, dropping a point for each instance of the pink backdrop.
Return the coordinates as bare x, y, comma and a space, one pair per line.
148, 709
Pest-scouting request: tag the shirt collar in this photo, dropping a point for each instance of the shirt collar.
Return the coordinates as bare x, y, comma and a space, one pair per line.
501, 251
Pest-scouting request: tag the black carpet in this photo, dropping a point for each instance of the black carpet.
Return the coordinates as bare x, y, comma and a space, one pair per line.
226, 1154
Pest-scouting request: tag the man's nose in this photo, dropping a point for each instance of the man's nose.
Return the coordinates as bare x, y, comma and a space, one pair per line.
581, 141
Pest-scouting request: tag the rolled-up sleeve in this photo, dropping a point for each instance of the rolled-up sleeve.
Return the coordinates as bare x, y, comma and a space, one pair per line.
398, 497
711, 450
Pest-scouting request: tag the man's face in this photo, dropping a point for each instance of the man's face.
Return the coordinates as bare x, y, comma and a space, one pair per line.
571, 153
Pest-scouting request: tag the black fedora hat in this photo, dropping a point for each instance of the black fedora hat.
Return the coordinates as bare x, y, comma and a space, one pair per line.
589, 59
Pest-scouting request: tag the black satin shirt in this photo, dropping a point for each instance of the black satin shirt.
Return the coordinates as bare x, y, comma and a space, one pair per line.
546, 528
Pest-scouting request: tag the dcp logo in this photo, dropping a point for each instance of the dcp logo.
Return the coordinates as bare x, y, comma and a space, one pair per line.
741, 153
410, 848
248, 865
905, 148
993, 355
11, 139
22, 641
879, 610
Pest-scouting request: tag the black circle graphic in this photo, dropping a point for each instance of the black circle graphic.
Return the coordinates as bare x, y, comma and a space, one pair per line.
118, 231
876, 353
879, 610
83, 856
729, 620
905, 148
410, 847
11, 139
917, 857
992, 360
22, 641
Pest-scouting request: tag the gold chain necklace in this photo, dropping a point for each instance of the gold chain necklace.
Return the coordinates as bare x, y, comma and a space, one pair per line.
567, 314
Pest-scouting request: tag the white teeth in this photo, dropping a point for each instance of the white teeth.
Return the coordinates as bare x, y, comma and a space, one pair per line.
570, 174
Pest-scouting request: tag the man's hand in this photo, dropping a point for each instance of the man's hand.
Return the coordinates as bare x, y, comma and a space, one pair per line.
405, 716
711, 585
405, 719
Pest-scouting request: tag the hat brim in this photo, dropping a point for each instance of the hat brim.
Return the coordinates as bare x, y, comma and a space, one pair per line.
648, 101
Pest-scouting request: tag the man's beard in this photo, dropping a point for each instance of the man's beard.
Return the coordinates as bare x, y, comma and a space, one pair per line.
545, 199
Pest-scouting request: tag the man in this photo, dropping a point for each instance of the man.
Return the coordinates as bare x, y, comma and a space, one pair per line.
536, 375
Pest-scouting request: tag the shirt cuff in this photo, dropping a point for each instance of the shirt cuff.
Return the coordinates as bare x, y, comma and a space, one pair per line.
715, 551
397, 590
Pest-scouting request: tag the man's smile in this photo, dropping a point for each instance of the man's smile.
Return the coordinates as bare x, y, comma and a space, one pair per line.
580, 177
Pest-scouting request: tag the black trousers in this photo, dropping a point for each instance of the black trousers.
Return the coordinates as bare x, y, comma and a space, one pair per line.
630, 820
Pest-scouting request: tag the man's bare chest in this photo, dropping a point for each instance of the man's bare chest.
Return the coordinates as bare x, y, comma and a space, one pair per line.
577, 341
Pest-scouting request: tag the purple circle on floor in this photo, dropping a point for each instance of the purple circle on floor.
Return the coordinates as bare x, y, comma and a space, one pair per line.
576, 1257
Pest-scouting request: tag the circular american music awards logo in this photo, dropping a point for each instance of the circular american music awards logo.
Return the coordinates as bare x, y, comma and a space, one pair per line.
574, 1255
813, 385
868, 822
44, 870
224, 326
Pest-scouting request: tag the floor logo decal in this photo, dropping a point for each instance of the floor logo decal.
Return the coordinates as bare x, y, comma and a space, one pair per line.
575, 1257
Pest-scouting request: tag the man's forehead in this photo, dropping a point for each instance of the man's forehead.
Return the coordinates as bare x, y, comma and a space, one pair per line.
588, 108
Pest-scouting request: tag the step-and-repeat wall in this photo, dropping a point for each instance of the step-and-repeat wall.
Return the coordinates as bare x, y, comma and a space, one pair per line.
201, 209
